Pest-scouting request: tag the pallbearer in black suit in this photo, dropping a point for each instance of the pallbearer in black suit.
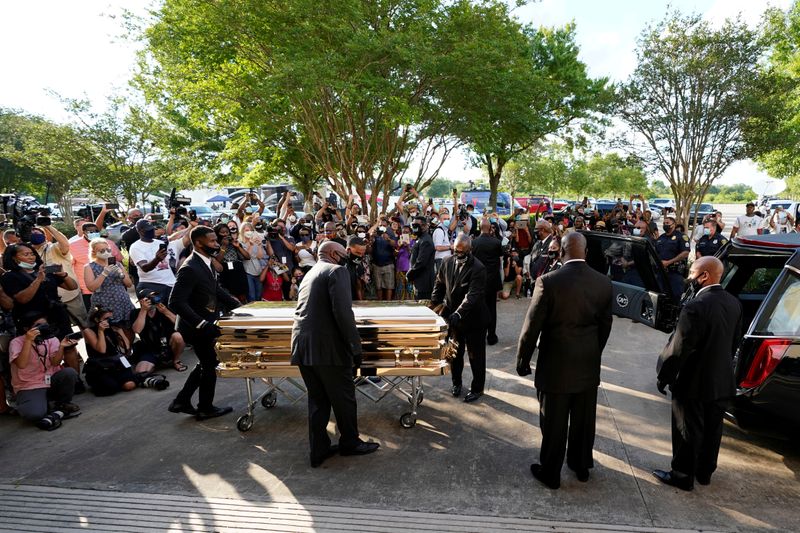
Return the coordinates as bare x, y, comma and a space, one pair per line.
571, 310
696, 364
488, 249
198, 300
326, 347
460, 285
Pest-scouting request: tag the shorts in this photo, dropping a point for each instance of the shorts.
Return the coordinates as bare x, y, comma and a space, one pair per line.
507, 286
383, 277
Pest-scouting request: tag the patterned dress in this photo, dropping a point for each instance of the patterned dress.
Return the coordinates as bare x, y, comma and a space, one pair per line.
112, 294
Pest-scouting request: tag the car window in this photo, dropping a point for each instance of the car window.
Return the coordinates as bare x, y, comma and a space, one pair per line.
782, 314
760, 281
617, 260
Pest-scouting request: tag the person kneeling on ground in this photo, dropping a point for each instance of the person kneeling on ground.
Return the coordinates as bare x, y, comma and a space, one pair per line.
109, 368
44, 387
159, 345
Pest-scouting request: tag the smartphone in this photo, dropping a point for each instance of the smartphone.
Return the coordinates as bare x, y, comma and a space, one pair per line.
112, 206
112, 261
75, 336
455, 192
52, 269
162, 246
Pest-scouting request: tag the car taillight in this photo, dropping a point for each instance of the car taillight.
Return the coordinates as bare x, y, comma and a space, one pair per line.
769, 354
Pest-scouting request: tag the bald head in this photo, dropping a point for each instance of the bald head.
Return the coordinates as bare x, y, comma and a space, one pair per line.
573, 246
331, 252
707, 265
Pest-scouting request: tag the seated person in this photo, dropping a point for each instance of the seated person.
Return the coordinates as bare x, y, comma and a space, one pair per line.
44, 387
109, 366
159, 345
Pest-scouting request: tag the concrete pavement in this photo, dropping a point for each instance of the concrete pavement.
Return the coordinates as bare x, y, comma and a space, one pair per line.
460, 460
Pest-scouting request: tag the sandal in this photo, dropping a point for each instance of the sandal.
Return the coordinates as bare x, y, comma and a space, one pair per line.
179, 366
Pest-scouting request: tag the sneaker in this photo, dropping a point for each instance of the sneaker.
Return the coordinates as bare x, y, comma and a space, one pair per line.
69, 410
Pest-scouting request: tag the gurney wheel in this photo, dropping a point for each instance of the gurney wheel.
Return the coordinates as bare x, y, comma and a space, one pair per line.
244, 423
420, 397
269, 400
408, 420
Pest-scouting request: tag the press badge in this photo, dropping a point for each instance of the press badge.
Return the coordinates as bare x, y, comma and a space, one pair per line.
47, 379
230, 265
124, 361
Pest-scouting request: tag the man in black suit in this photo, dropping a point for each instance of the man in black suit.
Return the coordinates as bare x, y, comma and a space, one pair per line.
198, 300
326, 347
421, 272
571, 310
460, 286
539, 258
696, 364
488, 249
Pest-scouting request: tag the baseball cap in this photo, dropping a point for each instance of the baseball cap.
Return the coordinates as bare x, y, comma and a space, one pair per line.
672, 216
144, 225
749, 204
600, 224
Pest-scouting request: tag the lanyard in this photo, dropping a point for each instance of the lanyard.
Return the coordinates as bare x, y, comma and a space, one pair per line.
42, 358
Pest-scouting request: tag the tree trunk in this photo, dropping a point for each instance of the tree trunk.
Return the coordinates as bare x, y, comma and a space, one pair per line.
495, 173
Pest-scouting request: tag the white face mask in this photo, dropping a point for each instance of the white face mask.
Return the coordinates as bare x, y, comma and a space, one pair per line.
248, 234
382, 229
104, 254
637, 232
361, 234
782, 217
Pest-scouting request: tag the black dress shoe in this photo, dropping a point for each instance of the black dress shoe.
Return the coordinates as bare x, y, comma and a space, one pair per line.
582, 474
332, 450
491, 340
703, 479
363, 448
536, 470
213, 412
177, 407
668, 478
472, 396
455, 390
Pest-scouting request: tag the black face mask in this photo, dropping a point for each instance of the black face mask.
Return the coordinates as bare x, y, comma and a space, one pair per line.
211, 251
148, 235
692, 287
552, 254
415, 228
667, 228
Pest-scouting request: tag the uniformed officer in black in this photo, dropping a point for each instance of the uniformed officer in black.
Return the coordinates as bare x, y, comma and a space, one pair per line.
673, 250
711, 241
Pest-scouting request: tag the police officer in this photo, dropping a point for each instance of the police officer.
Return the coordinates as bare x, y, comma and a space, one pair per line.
711, 241
673, 250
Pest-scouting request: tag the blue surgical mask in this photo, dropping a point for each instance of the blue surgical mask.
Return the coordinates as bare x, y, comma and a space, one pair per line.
93, 235
637, 232
29, 266
37, 239
706, 231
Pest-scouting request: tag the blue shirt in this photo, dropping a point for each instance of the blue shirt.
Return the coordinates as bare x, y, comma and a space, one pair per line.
382, 250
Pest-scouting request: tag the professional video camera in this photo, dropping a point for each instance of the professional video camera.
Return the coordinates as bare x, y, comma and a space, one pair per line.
463, 214
179, 203
24, 212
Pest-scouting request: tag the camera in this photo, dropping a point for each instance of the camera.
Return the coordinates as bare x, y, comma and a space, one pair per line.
45, 332
52, 269
115, 323
179, 203
272, 232
25, 213
75, 336
192, 215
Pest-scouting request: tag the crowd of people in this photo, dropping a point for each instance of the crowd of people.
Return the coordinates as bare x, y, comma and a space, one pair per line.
55, 291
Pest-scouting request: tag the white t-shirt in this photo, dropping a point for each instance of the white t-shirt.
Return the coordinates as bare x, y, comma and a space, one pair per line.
146, 251
441, 238
747, 225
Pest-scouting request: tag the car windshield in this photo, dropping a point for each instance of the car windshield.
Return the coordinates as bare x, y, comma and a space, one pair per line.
782, 315
201, 209
784, 205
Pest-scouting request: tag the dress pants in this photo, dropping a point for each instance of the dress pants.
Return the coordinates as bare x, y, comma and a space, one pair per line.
330, 387
423, 295
491, 302
567, 422
204, 375
696, 436
474, 341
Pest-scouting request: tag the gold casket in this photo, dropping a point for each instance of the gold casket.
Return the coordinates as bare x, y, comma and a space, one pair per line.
394, 335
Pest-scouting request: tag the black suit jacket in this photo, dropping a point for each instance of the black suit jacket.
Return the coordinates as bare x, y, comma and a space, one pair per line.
488, 249
324, 330
462, 292
197, 295
539, 257
421, 270
697, 362
571, 310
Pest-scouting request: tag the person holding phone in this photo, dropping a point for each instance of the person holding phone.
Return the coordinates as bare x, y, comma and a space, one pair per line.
44, 386
108, 281
150, 257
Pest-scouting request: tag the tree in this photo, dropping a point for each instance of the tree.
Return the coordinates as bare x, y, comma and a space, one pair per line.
773, 135
505, 87
13, 176
688, 99
343, 85
56, 153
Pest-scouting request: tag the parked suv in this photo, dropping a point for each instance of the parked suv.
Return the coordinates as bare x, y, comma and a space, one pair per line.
480, 199
763, 272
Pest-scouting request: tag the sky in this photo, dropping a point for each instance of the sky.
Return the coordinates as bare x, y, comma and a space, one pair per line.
75, 49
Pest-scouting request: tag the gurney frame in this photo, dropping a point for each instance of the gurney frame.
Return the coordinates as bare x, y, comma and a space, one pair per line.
406, 380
